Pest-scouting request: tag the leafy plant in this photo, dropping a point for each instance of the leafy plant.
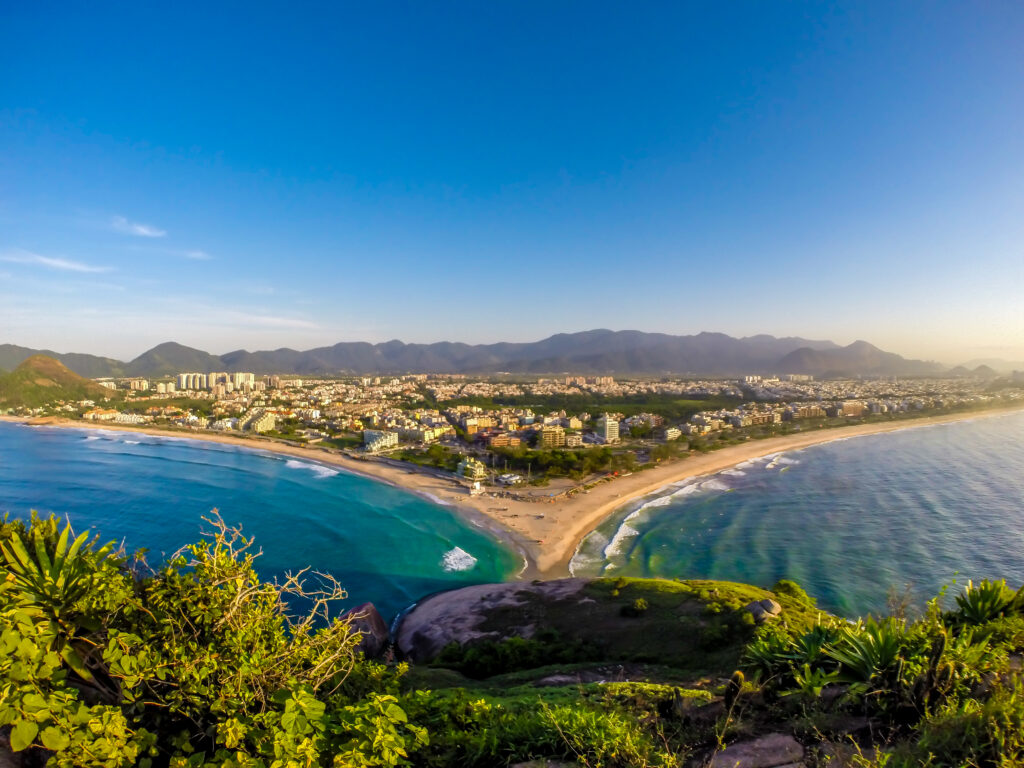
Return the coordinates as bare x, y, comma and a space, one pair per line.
987, 601
869, 652
771, 653
52, 582
810, 681
811, 646
197, 663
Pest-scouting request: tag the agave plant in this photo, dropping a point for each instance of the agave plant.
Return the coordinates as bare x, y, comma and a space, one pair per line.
51, 589
811, 646
770, 653
987, 601
870, 653
811, 681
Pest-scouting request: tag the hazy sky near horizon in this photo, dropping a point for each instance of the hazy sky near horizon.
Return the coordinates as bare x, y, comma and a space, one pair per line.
232, 175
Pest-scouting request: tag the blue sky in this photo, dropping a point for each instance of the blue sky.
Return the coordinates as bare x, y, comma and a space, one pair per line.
246, 175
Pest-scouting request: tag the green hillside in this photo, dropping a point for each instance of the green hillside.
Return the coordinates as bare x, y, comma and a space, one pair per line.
40, 380
12, 355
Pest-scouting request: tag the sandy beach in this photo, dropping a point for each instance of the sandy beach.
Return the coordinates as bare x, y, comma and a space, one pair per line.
547, 533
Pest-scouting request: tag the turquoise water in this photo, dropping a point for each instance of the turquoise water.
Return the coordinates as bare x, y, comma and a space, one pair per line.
848, 520
384, 544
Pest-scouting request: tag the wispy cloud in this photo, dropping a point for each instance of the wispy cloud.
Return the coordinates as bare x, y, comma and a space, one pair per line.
50, 262
271, 321
182, 253
126, 227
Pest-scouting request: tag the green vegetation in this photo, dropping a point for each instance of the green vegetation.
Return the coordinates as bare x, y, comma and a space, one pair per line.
556, 462
198, 406
435, 456
696, 627
488, 658
346, 442
40, 380
105, 661
940, 691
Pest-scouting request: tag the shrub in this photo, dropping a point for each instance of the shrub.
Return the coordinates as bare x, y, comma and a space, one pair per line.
869, 653
770, 654
793, 590
972, 732
199, 662
469, 732
486, 658
638, 608
987, 601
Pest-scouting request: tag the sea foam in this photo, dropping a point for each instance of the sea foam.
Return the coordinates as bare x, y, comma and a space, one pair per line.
457, 559
625, 531
436, 499
318, 469
714, 485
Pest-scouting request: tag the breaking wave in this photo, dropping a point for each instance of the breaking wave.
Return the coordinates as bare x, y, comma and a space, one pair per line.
318, 469
457, 559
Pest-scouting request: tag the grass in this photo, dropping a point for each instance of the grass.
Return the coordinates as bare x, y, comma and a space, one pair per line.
694, 627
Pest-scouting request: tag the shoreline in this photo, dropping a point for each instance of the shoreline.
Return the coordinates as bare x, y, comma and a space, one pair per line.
546, 535
423, 483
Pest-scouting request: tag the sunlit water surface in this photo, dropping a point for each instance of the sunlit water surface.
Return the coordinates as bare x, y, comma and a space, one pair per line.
383, 544
848, 519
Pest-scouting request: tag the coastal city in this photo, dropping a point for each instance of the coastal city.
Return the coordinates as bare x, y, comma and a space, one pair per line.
546, 433
512, 385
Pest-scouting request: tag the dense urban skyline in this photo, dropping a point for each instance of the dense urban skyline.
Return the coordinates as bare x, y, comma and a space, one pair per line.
238, 176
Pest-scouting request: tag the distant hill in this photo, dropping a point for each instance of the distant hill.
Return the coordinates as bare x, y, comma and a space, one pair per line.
170, 358
985, 372
998, 364
859, 358
90, 366
599, 351
40, 379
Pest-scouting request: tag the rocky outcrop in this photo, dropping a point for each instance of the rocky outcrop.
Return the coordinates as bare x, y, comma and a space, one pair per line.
772, 751
374, 636
459, 615
763, 610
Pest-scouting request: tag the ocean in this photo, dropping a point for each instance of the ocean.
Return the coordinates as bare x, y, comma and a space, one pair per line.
849, 520
385, 545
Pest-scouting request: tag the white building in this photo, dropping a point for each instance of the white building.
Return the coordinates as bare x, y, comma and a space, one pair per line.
608, 429
378, 440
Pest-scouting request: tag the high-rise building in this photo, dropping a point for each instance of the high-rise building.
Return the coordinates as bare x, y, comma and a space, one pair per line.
608, 429
191, 381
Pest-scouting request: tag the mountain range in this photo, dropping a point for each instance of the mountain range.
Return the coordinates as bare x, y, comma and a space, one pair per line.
588, 352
